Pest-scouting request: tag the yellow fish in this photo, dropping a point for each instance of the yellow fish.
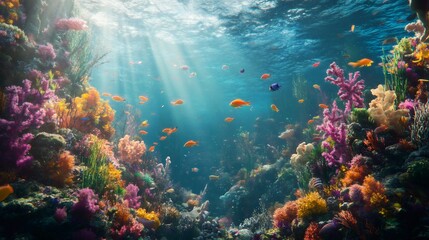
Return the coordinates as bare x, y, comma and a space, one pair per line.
214, 177
316, 86
238, 103
362, 63
301, 100
145, 123
170, 190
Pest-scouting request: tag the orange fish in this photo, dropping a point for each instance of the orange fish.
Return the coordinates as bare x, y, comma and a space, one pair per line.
143, 98
311, 121
162, 138
145, 123
143, 132
195, 170
361, 63
118, 98
190, 143
152, 148
169, 130
107, 94
238, 103
265, 76
324, 106
301, 100
316, 86
229, 119
5, 191
352, 28
177, 102
274, 108
316, 64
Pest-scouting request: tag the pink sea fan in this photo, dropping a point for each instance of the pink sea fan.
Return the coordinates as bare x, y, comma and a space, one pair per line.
47, 52
71, 24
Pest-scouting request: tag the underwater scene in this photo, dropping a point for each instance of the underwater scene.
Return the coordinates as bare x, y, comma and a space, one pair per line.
214, 119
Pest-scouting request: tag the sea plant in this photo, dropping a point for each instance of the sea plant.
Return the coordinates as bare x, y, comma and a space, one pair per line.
96, 174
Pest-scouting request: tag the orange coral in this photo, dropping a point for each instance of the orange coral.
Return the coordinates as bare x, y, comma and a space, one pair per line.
373, 193
373, 142
355, 174
122, 216
285, 215
130, 151
60, 172
312, 232
86, 113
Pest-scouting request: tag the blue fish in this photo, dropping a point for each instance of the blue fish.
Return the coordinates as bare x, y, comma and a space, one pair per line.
274, 87
242, 70
84, 118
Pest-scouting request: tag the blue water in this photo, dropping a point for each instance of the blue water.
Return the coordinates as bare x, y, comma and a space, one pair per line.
149, 41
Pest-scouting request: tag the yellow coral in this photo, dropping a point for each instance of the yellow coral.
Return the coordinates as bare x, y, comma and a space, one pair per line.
310, 205
152, 216
374, 193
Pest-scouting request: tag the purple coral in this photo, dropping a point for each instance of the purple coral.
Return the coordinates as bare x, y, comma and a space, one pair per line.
132, 196
350, 89
60, 214
334, 131
47, 52
25, 111
86, 206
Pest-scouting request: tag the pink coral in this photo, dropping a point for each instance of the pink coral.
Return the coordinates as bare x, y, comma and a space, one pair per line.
60, 214
71, 24
132, 196
131, 151
47, 52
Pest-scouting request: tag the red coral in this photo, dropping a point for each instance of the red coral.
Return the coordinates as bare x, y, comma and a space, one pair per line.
312, 232
283, 216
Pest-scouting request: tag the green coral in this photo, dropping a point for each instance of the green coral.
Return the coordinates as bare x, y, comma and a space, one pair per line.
146, 178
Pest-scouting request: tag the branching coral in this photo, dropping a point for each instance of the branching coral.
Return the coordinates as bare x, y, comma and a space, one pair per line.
86, 114
71, 24
311, 205
130, 151
382, 109
374, 193
149, 219
60, 172
283, 217
312, 232
86, 206
132, 196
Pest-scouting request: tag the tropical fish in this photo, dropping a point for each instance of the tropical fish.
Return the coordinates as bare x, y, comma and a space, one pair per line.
352, 28
225, 67
170, 190
242, 70
238, 103
311, 121
162, 138
315, 183
143, 99
390, 40
106, 94
169, 130
301, 100
265, 76
274, 87
324, 106
192, 74
177, 102
274, 108
229, 119
190, 143
214, 177
84, 118
184, 67
118, 98
316, 64
152, 148
316, 117
316, 86
145, 123
195, 170
143, 132
423, 80
155, 143
361, 63
5, 191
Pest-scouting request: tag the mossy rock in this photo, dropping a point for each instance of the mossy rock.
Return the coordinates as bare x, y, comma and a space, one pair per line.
46, 146
418, 172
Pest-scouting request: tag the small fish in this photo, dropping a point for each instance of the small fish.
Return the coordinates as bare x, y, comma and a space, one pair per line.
170, 190
228, 119
352, 28
106, 94
265, 76
316, 117
145, 123
214, 177
423, 80
238, 103
162, 138
5, 191
274, 108
315, 183
345, 55
316, 86
316, 64
84, 118
142, 132
169, 130
184, 67
242, 70
155, 143
390, 40
118, 98
361, 63
192, 74
190, 143
225, 67
152, 148
274, 87
195, 170
143, 98
301, 100
323, 106
177, 102
311, 121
